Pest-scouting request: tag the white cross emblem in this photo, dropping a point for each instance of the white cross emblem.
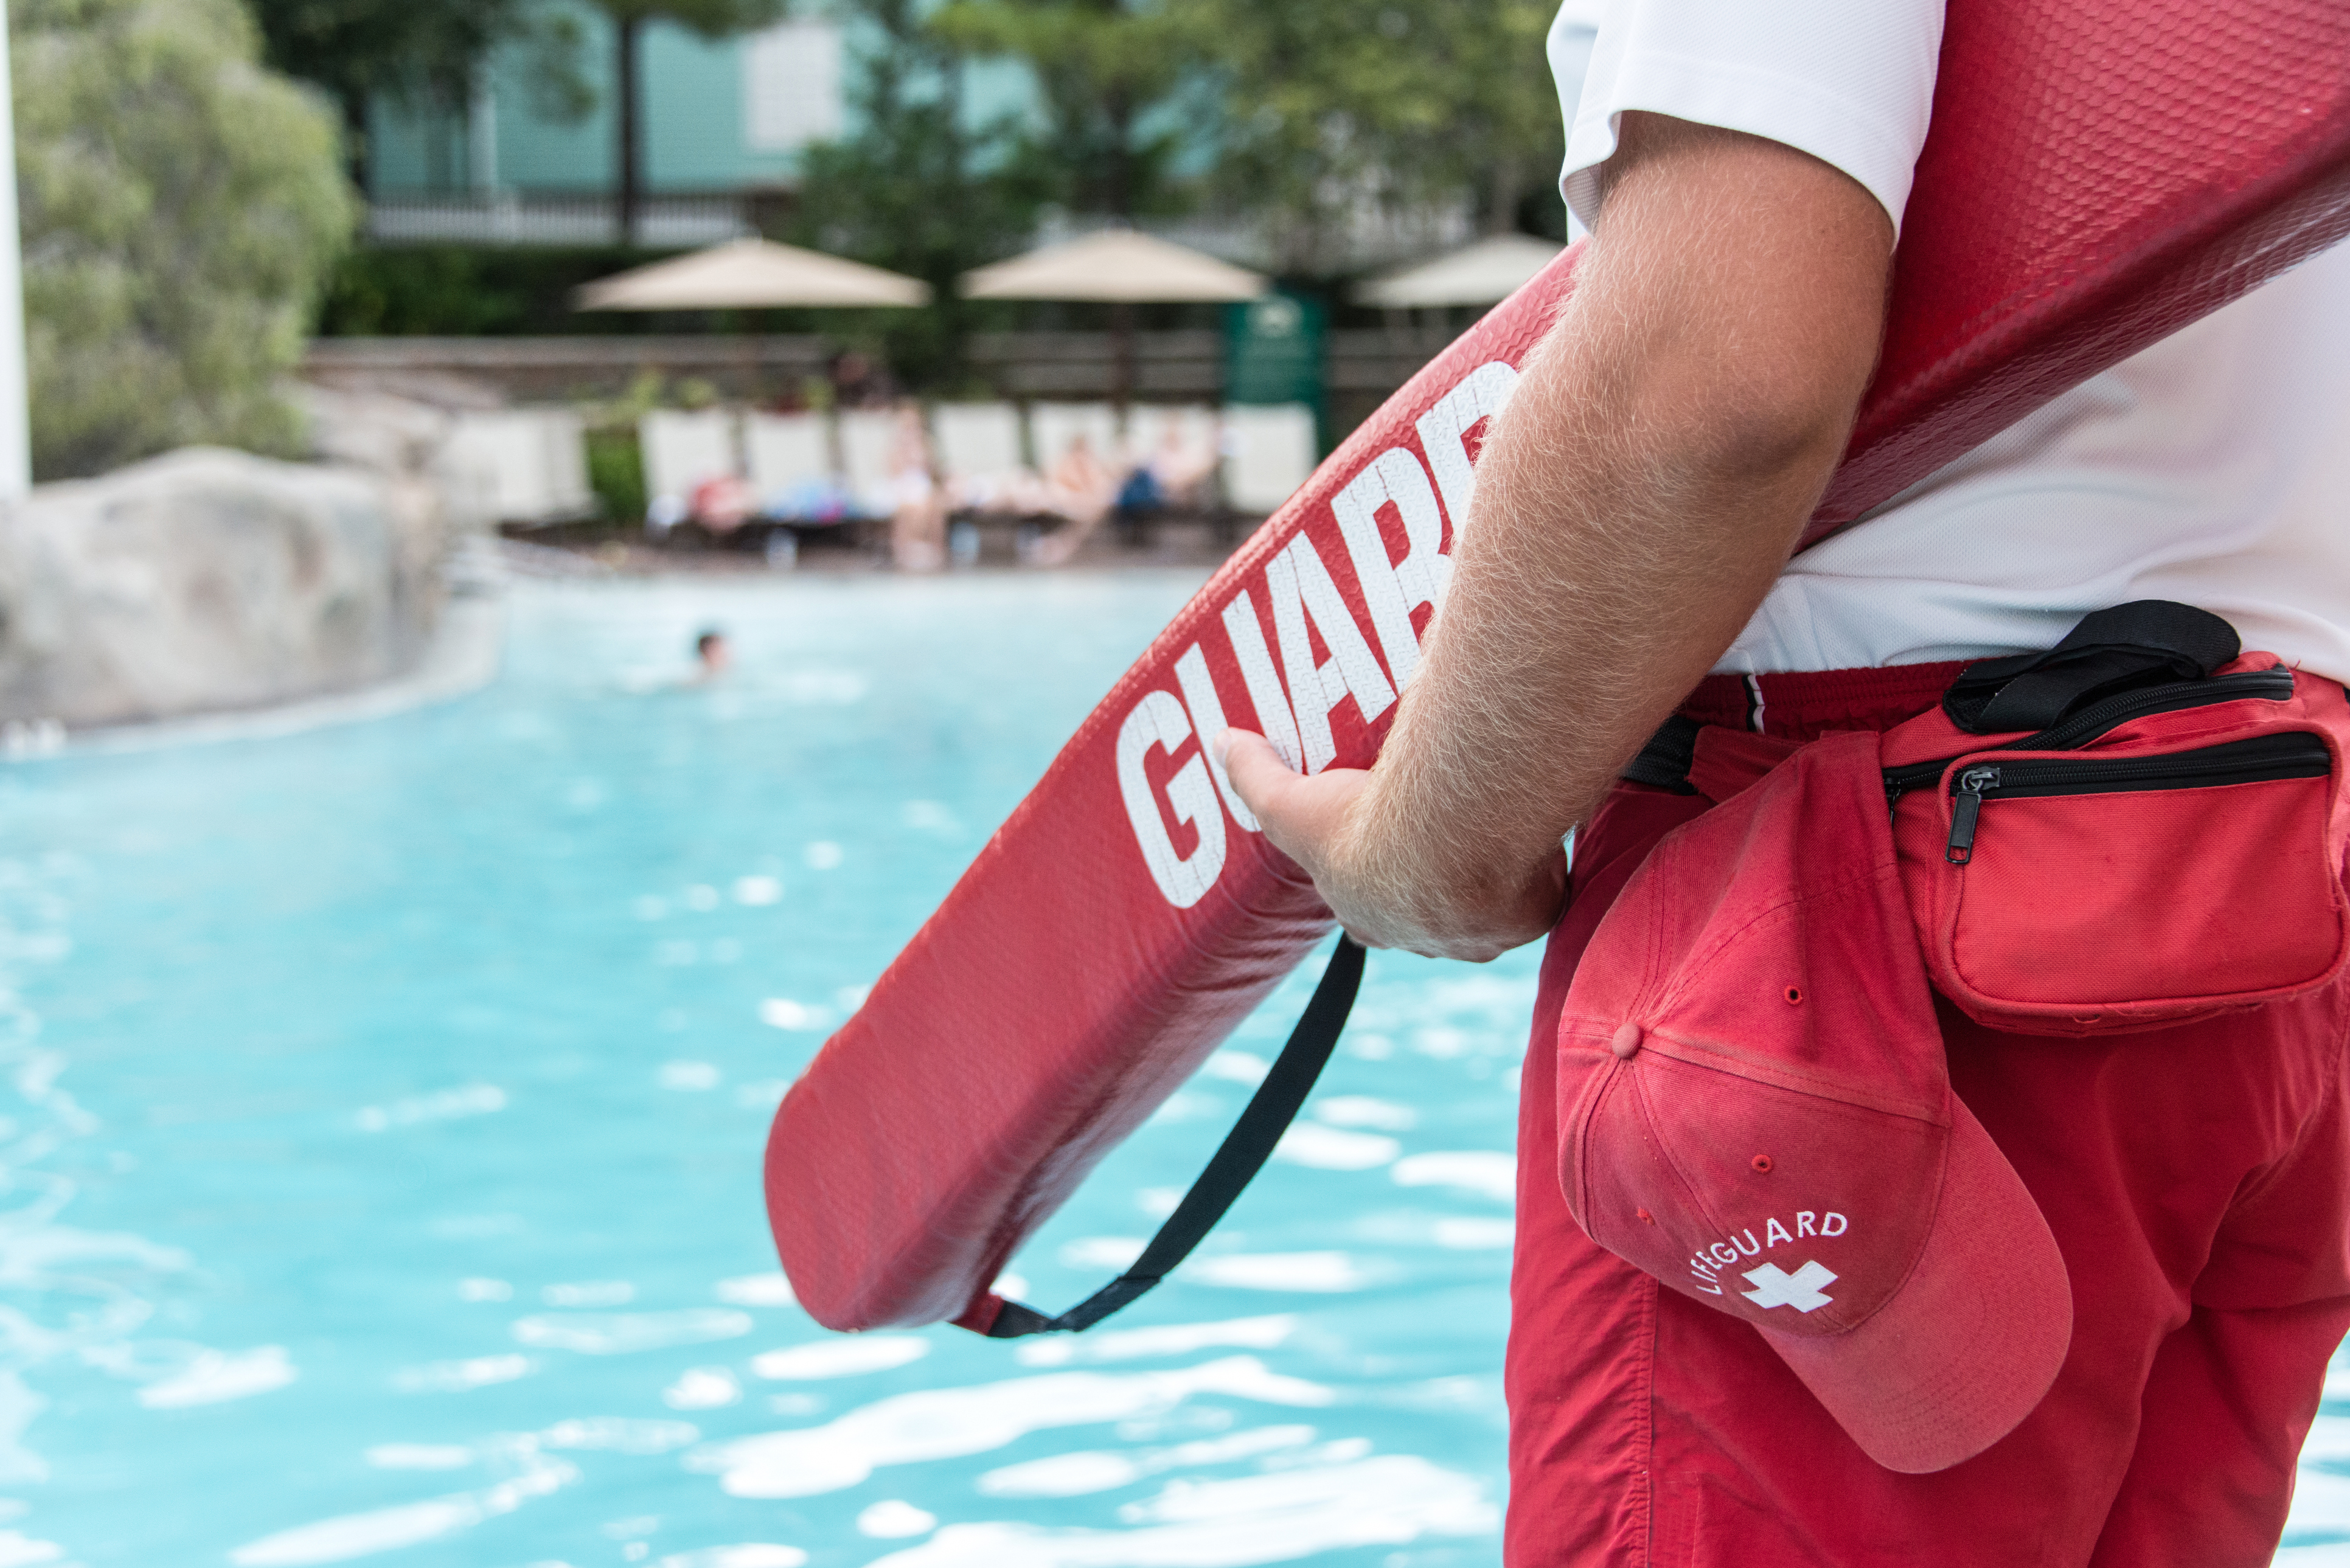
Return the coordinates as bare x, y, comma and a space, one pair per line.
1801, 1290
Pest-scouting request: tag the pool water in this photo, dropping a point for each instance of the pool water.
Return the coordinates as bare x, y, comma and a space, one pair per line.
381, 1112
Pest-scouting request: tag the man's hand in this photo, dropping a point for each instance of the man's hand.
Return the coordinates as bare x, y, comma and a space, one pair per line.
1318, 823
1633, 502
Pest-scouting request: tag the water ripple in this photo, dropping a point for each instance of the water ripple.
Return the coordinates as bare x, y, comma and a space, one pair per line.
350, 1535
621, 1333
1390, 1500
945, 1423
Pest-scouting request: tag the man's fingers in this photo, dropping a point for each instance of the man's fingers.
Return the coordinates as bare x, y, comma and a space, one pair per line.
1273, 794
1305, 817
1255, 769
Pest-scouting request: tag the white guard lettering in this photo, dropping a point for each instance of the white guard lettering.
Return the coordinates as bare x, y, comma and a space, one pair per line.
1208, 722
1273, 719
1299, 586
1393, 589
1444, 428
1158, 719
1297, 724
1833, 1223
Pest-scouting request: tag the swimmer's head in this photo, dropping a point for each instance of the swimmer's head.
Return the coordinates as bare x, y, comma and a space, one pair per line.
710, 649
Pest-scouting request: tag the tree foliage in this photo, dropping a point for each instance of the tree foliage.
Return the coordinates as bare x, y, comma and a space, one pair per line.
399, 48
181, 206
1310, 115
1106, 73
1335, 106
918, 190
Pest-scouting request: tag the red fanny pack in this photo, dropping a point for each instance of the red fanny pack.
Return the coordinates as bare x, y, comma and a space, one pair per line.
2139, 827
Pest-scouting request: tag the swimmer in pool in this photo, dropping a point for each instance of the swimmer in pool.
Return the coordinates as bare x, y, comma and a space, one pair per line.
712, 656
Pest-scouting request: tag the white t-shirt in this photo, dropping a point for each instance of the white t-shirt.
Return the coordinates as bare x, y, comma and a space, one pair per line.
2213, 468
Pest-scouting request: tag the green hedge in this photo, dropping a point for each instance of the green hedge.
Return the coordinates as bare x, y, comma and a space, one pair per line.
474, 291
525, 291
514, 291
616, 473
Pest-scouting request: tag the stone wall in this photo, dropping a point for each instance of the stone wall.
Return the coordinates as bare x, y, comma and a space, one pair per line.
209, 580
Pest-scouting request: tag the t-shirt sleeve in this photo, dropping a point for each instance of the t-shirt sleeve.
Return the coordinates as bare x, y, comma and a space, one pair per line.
1851, 82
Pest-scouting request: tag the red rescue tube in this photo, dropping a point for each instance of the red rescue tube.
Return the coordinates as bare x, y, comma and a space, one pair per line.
2099, 173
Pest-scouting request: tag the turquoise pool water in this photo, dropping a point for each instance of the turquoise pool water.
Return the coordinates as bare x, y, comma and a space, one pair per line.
380, 1112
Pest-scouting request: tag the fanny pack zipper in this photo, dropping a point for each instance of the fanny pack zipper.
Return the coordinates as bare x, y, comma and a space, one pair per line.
2262, 758
2273, 684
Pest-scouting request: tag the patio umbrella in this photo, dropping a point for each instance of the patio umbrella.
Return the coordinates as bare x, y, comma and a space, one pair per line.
1121, 268
1118, 266
752, 274
1486, 272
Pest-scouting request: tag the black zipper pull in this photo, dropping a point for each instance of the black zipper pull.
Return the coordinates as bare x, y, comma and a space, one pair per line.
1966, 805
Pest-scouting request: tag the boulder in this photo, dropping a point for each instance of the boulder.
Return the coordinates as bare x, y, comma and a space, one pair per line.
207, 580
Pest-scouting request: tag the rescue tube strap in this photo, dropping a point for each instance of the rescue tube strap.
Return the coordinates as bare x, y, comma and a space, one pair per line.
1665, 762
1237, 1160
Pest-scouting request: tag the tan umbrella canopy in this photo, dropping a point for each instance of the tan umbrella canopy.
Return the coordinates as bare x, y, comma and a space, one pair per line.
1118, 266
1124, 269
752, 274
1486, 272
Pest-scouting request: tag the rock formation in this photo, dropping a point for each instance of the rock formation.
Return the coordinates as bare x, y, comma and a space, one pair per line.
207, 580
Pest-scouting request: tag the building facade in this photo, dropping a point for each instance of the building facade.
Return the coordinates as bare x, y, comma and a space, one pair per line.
722, 122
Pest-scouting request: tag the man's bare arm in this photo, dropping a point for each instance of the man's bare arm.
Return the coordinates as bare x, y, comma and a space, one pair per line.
1635, 502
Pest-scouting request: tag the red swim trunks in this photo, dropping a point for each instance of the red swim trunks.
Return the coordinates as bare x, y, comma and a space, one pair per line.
2196, 1180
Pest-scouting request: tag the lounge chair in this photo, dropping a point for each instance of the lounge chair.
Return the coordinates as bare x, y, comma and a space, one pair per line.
1054, 427
868, 443
890, 472
787, 458
987, 477
1154, 429
522, 465
682, 452
795, 486
979, 449
1172, 455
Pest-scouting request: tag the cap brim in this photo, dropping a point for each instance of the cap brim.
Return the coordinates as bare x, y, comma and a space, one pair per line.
1969, 1345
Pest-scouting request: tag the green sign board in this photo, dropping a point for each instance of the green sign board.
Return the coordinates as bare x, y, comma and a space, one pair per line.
1272, 351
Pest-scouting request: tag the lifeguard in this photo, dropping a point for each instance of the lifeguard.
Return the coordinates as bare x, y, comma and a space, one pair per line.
1679, 395
1744, 170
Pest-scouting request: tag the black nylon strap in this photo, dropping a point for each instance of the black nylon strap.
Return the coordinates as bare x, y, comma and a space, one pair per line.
2140, 643
1665, 762
1237, 1160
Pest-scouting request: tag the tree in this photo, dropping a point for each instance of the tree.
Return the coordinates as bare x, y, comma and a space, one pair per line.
181, 207
917, 190
1102, 68
1436, 103
711, 20
413, 51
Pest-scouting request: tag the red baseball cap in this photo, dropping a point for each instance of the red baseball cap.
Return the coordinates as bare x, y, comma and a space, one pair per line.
1755, 1109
